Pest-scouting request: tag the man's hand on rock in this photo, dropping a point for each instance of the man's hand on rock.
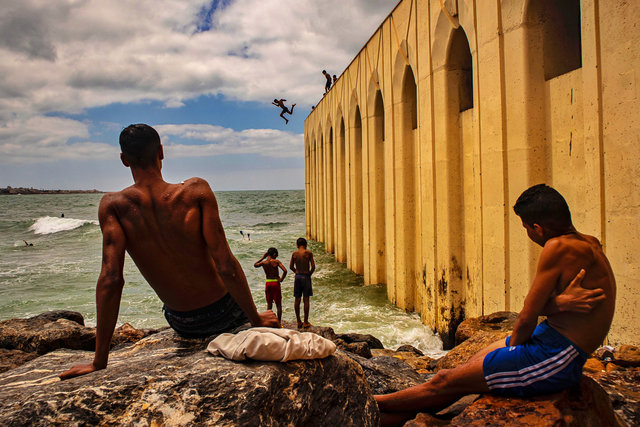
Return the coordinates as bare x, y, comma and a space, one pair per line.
77, 370
269, 319
578, 299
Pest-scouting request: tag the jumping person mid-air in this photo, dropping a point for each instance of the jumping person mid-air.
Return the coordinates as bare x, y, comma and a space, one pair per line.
280, 103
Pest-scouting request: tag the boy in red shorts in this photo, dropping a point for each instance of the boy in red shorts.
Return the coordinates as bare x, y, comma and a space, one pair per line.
271, 264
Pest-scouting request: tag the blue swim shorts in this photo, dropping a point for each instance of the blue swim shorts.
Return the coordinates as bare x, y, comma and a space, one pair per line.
221, 316
547, 363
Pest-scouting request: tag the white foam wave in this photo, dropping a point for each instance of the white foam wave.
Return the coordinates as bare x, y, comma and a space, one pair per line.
49, 224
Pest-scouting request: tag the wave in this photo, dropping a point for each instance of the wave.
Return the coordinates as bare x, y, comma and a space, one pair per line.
271, 224
50, 224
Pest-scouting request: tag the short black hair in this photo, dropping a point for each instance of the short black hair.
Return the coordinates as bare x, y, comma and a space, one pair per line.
301, 242
139, 144
544, 206
272, 252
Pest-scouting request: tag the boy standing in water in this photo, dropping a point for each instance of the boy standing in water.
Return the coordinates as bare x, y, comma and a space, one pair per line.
537, 358
303, 266
272, 291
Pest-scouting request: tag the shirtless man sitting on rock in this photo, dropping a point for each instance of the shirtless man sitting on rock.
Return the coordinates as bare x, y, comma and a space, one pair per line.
535, 359
174, 235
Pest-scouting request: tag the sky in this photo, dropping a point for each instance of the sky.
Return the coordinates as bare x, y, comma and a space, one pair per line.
74, 73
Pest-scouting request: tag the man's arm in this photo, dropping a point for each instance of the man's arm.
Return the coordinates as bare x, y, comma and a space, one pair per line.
292, 264
108, 289
227, 265
547, 275
259, 262
574, 298
284, 271
312, 262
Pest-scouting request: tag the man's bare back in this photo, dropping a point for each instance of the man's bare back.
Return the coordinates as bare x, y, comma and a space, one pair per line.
163, 226
580, 251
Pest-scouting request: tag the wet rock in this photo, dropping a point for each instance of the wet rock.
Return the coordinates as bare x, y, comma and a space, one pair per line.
585, 405
612, 367
167, 380
54, 315
387, 374
127, 334
501, 321
426, 420
623, 388
627, 355
41, 335
371, 341
323, 331
360, 348
10, 359
409, 349
463, 352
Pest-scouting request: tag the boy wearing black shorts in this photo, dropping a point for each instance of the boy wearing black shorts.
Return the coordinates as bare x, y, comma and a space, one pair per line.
303, 266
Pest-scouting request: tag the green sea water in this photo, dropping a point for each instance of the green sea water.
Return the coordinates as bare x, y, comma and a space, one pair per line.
60, 270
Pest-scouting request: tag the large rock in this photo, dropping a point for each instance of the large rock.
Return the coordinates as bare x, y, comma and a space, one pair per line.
586, 405
10, 359
627, 355
166, 380
372, 342
501, 321
623, 388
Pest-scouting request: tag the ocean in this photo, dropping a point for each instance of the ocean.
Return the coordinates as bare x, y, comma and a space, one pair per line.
60, 270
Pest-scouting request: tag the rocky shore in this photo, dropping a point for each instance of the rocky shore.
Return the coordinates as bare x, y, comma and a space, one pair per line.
155, 377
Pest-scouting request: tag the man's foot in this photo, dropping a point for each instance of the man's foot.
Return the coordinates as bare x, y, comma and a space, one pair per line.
306, 325
299, 325
286, 121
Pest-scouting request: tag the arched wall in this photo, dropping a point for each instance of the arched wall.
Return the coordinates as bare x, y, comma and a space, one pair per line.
526, 122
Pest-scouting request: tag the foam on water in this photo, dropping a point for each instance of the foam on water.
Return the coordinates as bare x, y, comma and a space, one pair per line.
50, 225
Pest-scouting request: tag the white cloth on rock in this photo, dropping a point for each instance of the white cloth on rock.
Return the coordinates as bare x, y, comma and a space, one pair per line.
271, 344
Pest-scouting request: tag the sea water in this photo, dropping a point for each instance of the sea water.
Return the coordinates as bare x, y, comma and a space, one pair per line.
60, 270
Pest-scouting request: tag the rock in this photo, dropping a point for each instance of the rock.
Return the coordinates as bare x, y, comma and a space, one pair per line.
10, 359
323, 331
623, 388
409, 349
611, 367
501, 321
127, 334
40, 335
52, 316
463, 352
593, 365
375, 352
387, 374
585, 405
167, 380
359, 348
627, 355
426, 420
372, 341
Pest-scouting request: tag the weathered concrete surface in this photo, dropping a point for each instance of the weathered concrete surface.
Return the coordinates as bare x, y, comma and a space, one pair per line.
166, 380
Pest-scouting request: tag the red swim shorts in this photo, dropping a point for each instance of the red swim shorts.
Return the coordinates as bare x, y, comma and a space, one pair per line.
272, 292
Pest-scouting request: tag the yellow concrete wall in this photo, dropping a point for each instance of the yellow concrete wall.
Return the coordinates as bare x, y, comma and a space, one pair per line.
450, 110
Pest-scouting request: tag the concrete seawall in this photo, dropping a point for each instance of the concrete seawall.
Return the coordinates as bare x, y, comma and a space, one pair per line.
451, 109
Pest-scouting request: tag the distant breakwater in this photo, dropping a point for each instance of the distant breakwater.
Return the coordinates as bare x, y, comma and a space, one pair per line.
24, 190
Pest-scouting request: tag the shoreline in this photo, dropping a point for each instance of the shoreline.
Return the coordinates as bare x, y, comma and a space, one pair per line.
17, 191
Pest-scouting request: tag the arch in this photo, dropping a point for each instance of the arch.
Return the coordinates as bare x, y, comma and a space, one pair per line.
341, 194
378, 178
559, 24
460, 68
355, 259
330, 174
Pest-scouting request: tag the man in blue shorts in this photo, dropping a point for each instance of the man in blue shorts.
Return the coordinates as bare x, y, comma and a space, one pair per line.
303, 265
535, 359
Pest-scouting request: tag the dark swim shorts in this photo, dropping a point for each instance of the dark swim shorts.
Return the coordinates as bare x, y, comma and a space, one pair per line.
223, 315
302, 286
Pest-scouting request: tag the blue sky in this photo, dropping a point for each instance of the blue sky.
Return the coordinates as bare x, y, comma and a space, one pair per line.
203, 73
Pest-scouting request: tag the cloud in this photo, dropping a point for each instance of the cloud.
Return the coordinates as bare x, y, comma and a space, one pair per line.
217, 140
69, 55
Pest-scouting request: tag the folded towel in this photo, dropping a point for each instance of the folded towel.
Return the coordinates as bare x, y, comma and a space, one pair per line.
271, 344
